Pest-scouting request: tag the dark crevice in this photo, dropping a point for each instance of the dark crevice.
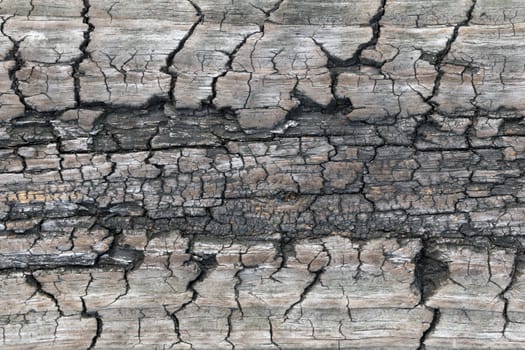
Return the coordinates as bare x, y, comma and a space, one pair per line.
284, 249
126, 285
272, 339
336, 65
231, 56
358, 270
32, 281
31, 9
503, 297
85, 54
275, 8
168, 69
97, 317
430, 273
238, 283
435, 320
441, 55
438, 60
14, 54
316, 280
176, 325
230, 327
228, 68
205, 263
376, 34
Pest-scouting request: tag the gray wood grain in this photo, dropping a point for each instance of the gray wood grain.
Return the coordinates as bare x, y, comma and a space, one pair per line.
265, 174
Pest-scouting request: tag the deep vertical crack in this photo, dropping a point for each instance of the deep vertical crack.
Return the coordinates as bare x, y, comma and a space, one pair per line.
176, 325
336, 65
272, 338
31, 3
356, 59
228, 67
91, 314
238, 283
505, 299
376, 33
441, 55
127, 287
311, 284
227, 338
275, 8
139, 328
435, 320
14, 54
100, 324
32, 281
438, 64
84, 13
231, 56
429, 273
168, 69
204, 264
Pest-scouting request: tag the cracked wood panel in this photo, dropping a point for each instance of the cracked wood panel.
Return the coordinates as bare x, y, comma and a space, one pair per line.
265, 174
319, 293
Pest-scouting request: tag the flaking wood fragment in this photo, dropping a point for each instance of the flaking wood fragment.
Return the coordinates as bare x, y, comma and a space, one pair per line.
266, 174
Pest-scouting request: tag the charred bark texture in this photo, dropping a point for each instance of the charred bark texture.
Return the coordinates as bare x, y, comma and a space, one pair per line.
265, 174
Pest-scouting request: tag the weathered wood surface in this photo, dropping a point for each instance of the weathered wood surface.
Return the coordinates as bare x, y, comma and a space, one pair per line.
264, 174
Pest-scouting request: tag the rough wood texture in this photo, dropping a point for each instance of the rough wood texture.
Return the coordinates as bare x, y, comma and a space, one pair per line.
264, 174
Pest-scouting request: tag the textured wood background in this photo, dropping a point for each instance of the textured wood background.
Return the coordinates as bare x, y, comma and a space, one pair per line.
262, 174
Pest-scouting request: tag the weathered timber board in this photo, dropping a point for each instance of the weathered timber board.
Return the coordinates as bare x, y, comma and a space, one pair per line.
262, 174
